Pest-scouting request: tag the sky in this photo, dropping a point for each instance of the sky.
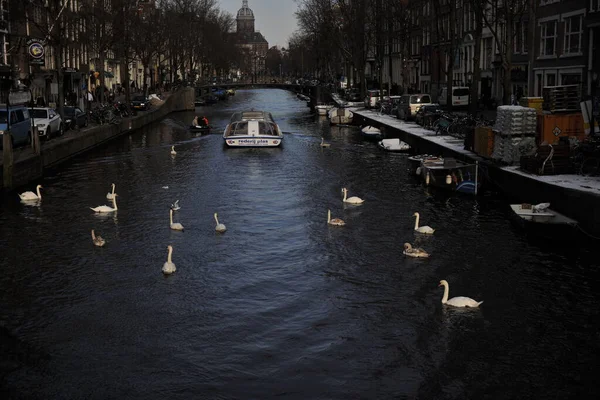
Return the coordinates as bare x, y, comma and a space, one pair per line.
275, 19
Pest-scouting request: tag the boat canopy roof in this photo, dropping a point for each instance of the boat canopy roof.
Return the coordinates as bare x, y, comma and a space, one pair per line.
252, 115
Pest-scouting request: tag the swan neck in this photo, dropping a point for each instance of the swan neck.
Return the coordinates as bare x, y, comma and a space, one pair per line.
169, 255
345, 194
328, 215
171, 216
417, 222
114, 200
113, 188
93, 235
37, 189
216, 219
446, 292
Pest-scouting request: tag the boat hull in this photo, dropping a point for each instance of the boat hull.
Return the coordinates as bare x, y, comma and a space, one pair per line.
394, 145
340, 116
197, 128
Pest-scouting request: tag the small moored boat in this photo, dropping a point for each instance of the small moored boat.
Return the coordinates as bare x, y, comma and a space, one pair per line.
449, 173
340, 115
199, 128
541, 213
371, 132
323, 109
396, 145
252, 129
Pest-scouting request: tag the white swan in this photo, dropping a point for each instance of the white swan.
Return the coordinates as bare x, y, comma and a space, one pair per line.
422, 229
175, 206
97, 240
219, 227
110, 195
29, 196
323, 144
334, 221
457, 301
169, 267
106, 209
173, 152
175, 226
414, 251
351, 200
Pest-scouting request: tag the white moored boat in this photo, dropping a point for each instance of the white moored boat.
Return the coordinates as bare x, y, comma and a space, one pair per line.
323, 109
252, 129
340, 116
541, 213
393, 145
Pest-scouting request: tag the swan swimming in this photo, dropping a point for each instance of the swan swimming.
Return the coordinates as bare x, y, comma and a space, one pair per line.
110, 195
219, 227
334, 221
175, 206
169, 267
422, 229
173, 152
353, 199
28, 196
175, 226
457, 301
323, 144
98, 240
106, 209
414, 251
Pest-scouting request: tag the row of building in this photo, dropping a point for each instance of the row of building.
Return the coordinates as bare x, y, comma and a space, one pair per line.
27, 57
566, 43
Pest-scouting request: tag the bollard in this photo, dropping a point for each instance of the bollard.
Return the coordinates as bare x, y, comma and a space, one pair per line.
35, 141
7, 153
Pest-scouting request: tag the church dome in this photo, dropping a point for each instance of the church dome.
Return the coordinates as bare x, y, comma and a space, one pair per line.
245, 12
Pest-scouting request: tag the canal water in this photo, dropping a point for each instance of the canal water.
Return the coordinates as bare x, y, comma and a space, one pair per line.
282, 305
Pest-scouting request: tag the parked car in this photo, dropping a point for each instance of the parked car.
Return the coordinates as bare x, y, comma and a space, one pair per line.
140, 103
75, 118
372, 97
460, 96
426, 113
48, 122
410, 104
353, 95
20, 124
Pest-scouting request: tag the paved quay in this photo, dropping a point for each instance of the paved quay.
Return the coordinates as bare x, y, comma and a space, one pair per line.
576, 196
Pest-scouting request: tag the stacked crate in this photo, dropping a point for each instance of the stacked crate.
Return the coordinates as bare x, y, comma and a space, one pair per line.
484, 141
548, 160
564, 98
514, 132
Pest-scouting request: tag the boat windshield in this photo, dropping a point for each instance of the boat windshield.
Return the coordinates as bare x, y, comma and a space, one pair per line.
240, 128
266, 129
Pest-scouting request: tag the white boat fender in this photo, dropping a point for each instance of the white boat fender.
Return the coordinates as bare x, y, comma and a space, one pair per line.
427, 178
448, 179
418, 171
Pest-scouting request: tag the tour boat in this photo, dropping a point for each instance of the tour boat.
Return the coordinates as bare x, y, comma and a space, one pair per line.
340, 116
452, 174
252, 129
396, 145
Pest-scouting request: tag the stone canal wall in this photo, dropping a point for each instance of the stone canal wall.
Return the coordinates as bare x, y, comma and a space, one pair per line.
28, 166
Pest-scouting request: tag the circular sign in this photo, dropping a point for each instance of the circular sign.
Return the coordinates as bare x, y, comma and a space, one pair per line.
36, 50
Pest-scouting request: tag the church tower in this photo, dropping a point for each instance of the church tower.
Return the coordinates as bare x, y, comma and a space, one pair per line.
245, 19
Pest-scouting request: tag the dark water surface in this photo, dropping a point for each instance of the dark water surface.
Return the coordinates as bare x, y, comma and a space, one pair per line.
281, 305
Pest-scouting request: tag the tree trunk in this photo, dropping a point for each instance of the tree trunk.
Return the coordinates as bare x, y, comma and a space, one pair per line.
474, 95
101, 61
60, 107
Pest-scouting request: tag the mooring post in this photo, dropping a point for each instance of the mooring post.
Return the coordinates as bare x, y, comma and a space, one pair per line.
35, 141
7, 154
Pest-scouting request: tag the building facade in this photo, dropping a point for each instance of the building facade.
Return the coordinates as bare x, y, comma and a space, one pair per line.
253, 43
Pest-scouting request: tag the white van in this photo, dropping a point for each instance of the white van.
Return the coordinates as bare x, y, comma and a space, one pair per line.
410, 104
460, 96
373, 96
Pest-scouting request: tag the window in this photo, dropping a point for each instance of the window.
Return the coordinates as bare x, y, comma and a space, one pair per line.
548, 36
550, 79
573, 34
520, 32
594, 5
570, 79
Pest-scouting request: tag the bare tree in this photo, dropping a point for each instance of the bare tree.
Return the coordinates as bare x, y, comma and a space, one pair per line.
500, 16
